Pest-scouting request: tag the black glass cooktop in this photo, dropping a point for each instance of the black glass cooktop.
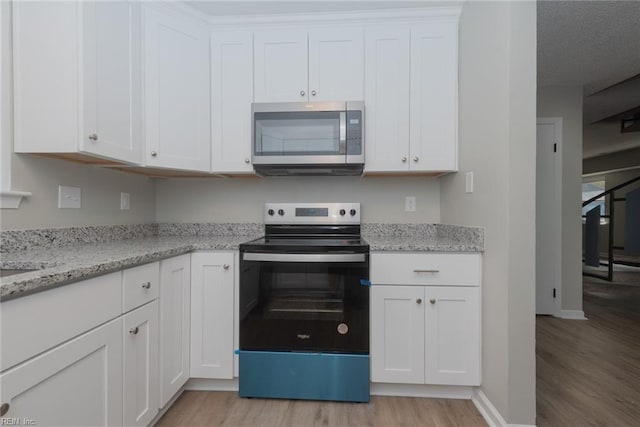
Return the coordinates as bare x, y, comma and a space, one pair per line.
307, 244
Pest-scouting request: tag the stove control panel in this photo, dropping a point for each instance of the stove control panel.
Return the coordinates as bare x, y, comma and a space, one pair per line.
312, 213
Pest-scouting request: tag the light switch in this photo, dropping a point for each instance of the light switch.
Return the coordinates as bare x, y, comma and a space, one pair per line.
410, 204
468, 182
124, 201
69, 197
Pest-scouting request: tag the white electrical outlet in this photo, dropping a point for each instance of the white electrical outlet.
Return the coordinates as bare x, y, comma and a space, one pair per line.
468, 182
125, 200
410, 204
69, 197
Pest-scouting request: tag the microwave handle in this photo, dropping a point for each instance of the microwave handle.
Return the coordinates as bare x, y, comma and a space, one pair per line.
343, 133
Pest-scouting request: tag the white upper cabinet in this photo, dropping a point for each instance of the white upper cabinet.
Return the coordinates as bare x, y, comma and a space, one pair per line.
387, 99
336, 65
300, 66
411, 96
434, 97
231, 97
280, 66
177, 112
77, 78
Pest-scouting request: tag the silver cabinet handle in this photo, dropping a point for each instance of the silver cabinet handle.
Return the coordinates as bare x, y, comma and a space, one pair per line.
416, 158
146, 285
426, 271
134, 331
419, 300
313, 93
247, 161
4, 409
93, 137
153, 154
225, 266
302, 93
404, 159
432, 300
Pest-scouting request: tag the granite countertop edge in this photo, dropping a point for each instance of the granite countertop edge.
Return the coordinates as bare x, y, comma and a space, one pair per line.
58, 268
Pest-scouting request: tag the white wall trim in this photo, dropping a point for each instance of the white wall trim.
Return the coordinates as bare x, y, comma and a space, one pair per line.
572, 315
347, 17
421, 390
206, 384
486, 408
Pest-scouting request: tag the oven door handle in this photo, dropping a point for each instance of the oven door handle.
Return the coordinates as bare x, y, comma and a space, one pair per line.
271, 257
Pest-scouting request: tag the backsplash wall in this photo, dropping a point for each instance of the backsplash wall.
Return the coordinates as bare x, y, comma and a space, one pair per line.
242, 199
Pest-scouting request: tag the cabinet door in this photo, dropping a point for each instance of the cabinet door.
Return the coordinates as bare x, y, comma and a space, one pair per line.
397, 334
177, 113
140, 394
452, 335
175, 325
78, 383
387, 99
212, 311
112, 82
336, 65
45, 72
280, 66
231, 97
434, 97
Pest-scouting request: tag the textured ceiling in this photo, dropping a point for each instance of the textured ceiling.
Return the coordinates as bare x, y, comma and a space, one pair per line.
594, 44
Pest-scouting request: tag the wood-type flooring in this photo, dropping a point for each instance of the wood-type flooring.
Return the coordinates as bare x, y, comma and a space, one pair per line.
588, 371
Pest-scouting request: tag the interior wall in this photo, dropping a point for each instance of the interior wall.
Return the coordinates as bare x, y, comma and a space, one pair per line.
242, 200
497, 142
595, 134
566, 102
41, 176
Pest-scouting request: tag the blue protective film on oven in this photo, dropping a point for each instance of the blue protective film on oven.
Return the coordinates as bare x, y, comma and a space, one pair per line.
365, 282
310, 376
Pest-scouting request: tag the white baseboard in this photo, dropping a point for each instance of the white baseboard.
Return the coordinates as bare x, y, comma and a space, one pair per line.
491, 415
205, 384
572, 314
488, 411
420, 390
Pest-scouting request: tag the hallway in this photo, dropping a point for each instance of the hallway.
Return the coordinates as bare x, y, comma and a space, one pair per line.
588, 372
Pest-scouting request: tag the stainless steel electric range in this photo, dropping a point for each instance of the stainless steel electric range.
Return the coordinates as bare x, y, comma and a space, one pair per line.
304, 305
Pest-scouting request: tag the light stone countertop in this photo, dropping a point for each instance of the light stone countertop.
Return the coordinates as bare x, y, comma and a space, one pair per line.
66, 264
60, 265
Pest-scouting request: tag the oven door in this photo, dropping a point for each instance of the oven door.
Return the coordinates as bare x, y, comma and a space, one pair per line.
304, 302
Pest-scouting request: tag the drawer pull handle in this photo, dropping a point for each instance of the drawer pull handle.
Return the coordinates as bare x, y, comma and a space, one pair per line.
226, 266
4, 409
146, 285
419, 300
134, 331
432, 300
426, 271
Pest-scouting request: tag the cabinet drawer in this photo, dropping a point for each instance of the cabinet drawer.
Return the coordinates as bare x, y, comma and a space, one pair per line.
35, 323
140, 285
452, 269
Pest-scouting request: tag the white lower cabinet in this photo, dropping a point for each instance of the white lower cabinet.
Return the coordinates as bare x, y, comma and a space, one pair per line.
212, 310
140, 367
175, 325
78, 383
425, 334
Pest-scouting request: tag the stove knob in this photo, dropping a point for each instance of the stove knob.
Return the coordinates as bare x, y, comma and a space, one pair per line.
281, 212
342, 212
271, 212
352, 212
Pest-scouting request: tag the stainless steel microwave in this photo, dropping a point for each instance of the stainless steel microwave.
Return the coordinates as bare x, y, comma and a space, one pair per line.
315, 138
